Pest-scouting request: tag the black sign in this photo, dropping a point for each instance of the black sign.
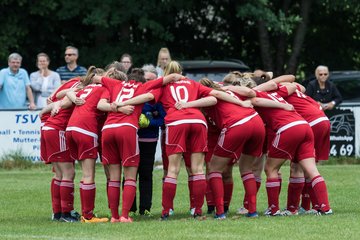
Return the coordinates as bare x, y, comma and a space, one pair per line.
342, 134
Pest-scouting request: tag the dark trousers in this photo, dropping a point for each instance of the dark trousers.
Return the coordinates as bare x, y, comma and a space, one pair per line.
145, 172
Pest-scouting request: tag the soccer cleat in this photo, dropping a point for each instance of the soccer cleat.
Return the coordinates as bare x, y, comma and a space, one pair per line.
328, 212
302, 211
242, 211
164, 217
147, 213
114, 220
66, 217
126, 220
133, 214
221, 216
269, 213
94, 220
56, 217
252, 215
75, 214
171, 212
192, 211
286, 212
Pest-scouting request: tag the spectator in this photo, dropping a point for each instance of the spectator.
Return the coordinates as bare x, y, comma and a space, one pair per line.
44, 81
323, 91
15, 85
163, 59
71, 69
126, 61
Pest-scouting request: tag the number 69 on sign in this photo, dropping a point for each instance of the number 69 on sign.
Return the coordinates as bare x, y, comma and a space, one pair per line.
342, 150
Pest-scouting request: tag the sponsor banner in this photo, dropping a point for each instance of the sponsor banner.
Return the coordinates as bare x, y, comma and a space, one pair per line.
20, 131
342, 135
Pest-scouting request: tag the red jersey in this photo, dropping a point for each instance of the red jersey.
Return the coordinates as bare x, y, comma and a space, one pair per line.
303, 104
275, 118
85, 117
183, 90
225, 114
72, 83
121, 91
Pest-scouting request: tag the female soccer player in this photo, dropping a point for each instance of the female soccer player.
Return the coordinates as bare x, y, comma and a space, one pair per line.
290, 138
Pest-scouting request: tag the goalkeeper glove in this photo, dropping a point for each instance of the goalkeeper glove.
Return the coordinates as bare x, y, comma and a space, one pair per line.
143, 121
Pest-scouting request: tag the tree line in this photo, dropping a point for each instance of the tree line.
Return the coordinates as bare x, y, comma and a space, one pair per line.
284, 36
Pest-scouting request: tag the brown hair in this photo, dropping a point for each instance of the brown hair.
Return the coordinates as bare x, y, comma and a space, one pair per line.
91, 72
137, 74
209, 83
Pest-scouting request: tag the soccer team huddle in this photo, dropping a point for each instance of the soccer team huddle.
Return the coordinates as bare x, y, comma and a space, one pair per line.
248, 118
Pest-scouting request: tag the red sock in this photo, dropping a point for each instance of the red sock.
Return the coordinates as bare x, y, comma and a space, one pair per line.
67, 196
319, 186
217, 187
250, 191
114, 198
199, 190
258, 183
87, 193
273, 189
191, 193
128, 196
168, 194
305, 195
295, 187
280, 180
55, 195
209, 194
313, 199
228, 190
81, 195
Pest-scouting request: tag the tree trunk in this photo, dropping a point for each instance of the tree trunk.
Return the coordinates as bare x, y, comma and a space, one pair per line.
265, 46
299, 37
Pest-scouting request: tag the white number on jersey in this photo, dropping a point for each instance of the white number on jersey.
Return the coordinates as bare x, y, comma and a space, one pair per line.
125, 94
176, 93
232, 94
85, 93
300, 94
274, 96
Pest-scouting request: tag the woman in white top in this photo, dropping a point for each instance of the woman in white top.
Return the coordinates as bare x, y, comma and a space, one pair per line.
44, 81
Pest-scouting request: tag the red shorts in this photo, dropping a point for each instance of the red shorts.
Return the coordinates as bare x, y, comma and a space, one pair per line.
212, 141
82, 146
55, 146
295, 143
120, 146
43, 153
321, 132
164, 157
247, 138
186, 137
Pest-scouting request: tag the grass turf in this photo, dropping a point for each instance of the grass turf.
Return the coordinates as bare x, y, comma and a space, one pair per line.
25, 211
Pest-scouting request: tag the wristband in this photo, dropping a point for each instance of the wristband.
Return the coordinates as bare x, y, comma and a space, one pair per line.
333, 102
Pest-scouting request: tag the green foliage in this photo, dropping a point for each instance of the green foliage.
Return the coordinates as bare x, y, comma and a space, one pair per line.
16, 160
104, 30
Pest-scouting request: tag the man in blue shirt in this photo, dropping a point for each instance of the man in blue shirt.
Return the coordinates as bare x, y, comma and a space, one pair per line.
71, 69
15, 85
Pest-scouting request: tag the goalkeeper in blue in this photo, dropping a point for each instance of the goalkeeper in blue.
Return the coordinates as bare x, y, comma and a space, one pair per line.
150, 120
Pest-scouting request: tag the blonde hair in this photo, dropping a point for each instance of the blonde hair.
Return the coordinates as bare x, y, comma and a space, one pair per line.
172, 67
240, 79
161, 51
91, 72
209, 83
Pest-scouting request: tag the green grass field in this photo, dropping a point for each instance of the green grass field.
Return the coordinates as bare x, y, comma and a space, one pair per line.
25, 211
